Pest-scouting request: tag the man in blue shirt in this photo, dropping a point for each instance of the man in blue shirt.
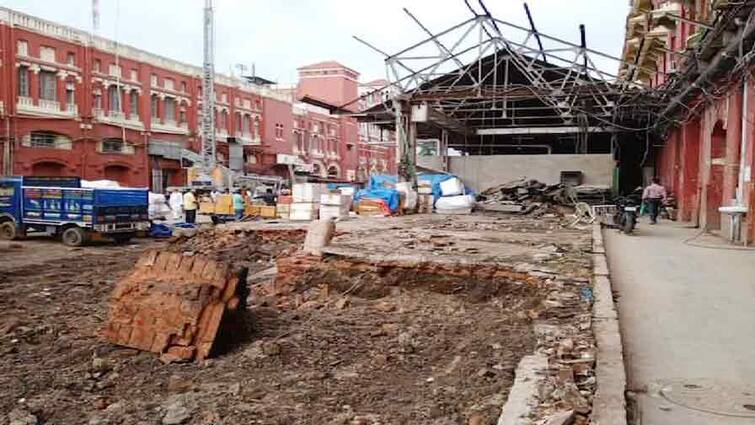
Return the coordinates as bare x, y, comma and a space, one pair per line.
238, 204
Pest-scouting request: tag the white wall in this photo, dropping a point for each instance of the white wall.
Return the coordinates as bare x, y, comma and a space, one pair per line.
481, 172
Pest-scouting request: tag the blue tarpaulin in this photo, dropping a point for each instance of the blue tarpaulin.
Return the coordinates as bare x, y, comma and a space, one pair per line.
390, 196
383, 186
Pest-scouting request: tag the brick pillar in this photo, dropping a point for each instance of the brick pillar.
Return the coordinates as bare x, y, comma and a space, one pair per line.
733, 144
126, 102
34, 84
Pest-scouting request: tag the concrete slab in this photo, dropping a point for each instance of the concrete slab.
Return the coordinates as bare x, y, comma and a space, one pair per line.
523, 395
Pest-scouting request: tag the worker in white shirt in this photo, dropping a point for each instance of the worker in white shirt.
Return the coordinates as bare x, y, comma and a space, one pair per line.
176, 202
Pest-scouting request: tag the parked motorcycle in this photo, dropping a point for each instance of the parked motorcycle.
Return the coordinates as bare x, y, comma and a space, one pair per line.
627, 211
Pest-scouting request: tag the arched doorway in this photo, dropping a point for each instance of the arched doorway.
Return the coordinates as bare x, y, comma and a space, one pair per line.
118, 173
715, 188
48, 169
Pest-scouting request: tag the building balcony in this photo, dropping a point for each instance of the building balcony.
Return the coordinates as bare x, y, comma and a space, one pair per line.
221, 135
45, 108
247, 139
119, 119
170, 127
318, 154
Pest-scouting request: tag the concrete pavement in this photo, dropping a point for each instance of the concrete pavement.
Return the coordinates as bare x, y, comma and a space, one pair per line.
687, 316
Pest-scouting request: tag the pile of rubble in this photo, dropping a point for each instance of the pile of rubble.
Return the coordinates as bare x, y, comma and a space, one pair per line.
531, 197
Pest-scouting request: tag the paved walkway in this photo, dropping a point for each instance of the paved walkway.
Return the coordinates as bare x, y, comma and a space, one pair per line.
688, 320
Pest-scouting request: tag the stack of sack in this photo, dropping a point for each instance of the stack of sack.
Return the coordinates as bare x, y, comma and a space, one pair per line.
454, 199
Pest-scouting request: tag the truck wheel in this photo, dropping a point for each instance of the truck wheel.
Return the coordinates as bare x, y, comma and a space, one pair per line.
74, 236
8, 231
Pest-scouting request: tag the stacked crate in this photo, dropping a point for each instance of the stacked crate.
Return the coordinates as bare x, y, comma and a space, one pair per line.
306, 203
334, 205
283, 209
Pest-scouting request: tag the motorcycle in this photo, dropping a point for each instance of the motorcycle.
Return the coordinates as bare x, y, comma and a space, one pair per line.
627, 211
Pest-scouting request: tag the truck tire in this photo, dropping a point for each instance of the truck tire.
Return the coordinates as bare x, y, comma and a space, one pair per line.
74, 236
8, 231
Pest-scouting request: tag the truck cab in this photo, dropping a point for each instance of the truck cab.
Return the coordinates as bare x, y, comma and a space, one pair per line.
60, 206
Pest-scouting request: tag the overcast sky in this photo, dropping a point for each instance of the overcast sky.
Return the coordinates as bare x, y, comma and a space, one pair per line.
280, 35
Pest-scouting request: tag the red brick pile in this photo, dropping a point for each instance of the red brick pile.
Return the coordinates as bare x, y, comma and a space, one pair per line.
172, 304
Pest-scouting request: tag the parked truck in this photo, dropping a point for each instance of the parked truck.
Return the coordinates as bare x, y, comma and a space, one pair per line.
60, 206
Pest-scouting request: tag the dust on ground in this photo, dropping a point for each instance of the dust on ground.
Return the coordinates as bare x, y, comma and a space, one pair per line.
404, 356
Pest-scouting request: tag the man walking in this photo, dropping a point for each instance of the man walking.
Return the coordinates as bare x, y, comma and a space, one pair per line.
653, 196
190, 207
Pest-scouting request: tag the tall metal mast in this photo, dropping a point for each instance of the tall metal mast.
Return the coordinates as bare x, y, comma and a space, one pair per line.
208, 92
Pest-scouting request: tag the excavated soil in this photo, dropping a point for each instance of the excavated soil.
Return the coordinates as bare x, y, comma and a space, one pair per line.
425, 348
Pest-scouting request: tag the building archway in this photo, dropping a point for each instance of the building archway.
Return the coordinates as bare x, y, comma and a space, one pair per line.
334, 171
118, 173
714, 194
48, 169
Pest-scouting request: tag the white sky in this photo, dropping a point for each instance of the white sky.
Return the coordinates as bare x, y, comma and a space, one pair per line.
280, 35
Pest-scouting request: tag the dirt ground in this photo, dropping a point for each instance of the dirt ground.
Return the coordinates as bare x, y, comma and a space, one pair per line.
412, 354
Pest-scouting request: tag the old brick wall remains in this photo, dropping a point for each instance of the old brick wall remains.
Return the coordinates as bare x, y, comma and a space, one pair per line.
172, 304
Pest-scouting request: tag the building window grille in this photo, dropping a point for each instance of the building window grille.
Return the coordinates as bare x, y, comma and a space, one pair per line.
70, 94
134, 102
155, 103
45, 139
23, 81
113, 146
48, 86
115, 98
170, 109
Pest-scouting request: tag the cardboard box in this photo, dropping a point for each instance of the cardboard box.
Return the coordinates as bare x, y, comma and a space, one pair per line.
283, 211
267, 212
333, 212
335, 198
304, 211
308, 192
224, 205
252, 210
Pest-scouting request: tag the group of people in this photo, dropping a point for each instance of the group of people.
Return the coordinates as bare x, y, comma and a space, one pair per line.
185, 205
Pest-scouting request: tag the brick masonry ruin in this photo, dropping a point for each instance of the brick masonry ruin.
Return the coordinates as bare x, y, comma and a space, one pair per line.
172, 304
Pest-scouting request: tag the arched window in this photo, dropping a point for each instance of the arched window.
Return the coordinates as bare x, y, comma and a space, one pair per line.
223, 124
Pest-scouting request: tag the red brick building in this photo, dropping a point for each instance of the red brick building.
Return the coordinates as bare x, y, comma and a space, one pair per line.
707, 159
73, 104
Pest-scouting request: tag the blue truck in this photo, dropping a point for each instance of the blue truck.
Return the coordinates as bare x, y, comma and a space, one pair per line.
59, 206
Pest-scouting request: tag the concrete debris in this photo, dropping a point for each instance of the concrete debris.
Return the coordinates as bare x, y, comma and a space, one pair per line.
177, 410
531, 197
560, 418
